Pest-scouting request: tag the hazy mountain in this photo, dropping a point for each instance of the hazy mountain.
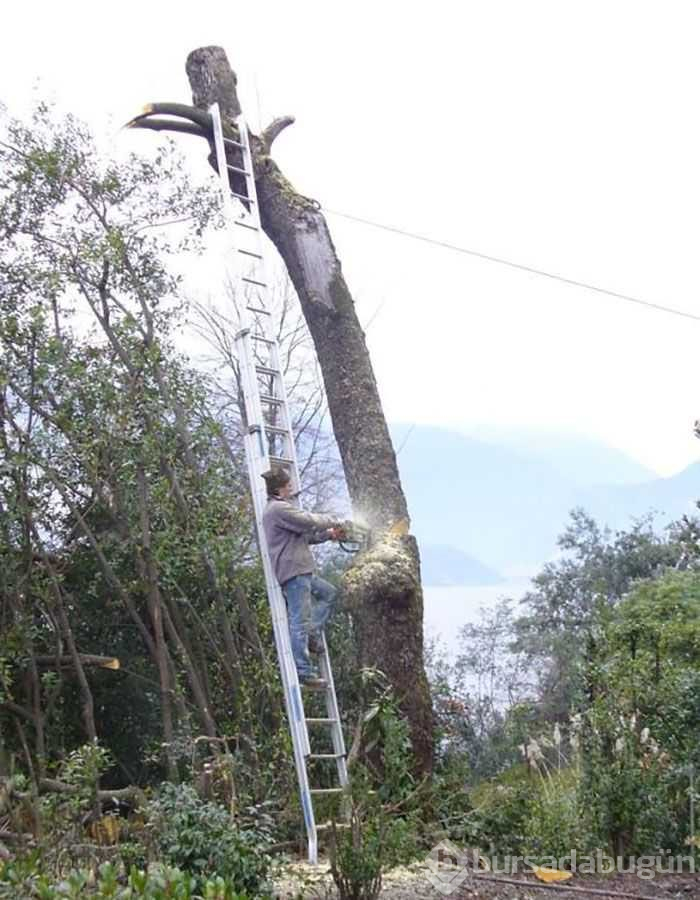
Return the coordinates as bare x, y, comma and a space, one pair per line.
670, 498
580, 458
501, 507
505, 508
443, 566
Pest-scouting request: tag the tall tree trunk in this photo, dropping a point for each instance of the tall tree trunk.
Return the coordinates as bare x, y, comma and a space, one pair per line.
388, 596
144, 561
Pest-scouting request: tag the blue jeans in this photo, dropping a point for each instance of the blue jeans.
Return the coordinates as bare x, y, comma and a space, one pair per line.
310, 602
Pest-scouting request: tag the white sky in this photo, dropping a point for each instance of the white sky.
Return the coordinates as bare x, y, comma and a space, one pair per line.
563, 135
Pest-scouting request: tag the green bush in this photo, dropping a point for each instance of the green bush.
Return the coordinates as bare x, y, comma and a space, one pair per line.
640, 727
357, 859
202, 839
384, 801
553, 826
23, 879
502, 808
527, 813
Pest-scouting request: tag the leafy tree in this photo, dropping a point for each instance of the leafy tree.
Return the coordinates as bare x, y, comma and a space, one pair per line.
483, 698
597, 568
640, 729
123, 510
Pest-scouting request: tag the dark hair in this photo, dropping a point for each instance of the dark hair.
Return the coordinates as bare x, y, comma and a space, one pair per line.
275, 479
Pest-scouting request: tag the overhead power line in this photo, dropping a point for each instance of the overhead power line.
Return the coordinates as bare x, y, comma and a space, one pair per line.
629, 298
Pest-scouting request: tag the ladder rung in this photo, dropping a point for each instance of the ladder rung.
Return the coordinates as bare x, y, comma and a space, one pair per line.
268, 398
254, 281
261, 337
245, 224
266, 370
325, 825
283, 459
237, 169
234, 143
259, 310
327, 790
277, 429
313, 721
250, 253
325, 756
243, 197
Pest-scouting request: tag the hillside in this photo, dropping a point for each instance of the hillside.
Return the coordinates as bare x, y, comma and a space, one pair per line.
579, 458
505, 508
444, 566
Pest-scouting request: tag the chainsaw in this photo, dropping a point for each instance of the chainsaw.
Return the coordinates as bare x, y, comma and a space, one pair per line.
354, 538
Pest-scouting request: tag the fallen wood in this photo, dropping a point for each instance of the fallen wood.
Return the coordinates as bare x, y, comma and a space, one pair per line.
52, 785
598, 892
87, 659
131, 792
15, 837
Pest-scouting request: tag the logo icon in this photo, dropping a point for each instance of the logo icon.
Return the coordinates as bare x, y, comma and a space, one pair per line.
447, 867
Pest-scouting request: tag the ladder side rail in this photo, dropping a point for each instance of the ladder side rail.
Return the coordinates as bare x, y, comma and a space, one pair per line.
258, 461
221, 162
294, 704
275, 362
290, 682
257, 445
287, 419
230, 217
254, 215
250, 176
334, 713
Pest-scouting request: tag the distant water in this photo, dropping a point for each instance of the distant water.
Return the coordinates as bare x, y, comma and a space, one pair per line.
448, 608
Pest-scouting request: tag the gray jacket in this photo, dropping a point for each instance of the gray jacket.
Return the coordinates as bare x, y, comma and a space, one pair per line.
288, 532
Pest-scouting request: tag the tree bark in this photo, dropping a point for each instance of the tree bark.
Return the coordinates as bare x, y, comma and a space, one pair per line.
389, 607
145, 563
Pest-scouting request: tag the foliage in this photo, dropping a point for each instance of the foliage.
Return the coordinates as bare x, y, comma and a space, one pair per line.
596, 570
480, 699
24, 878
63, 814
611, 631
357, 858
202, 839
384, 802
125, 527
641, 726
526, 811
501, 809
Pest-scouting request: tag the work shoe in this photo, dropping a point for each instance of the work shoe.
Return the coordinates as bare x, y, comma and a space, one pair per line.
312, 680
315, 644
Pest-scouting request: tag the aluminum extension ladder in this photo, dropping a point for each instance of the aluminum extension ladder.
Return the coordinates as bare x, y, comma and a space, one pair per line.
269, 440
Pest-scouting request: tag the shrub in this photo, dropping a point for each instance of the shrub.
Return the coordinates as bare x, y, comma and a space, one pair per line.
24, 879
502, 808
357, 859
384, 822
202, 839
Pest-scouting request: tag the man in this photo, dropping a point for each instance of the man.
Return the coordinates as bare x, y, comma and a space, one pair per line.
310, 599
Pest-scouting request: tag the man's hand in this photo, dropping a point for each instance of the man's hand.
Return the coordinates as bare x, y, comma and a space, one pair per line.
337, 533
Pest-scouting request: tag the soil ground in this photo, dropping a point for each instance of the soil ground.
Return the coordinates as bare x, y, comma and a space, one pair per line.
411, 883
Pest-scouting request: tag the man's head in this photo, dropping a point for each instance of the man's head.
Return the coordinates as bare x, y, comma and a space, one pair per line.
278, 483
